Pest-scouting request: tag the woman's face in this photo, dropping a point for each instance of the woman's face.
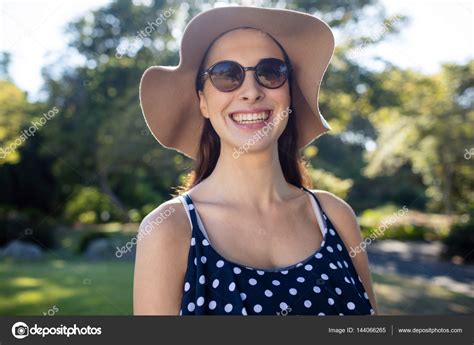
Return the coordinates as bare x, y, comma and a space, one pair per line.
224, 109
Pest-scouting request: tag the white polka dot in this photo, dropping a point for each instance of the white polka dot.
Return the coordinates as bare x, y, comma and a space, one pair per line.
284, 272
323, 243
293, 291
330, 301
283, 306
339, 264
205, 242
191, 207
195, 262
191, 306
332, 232
187, 286
321, 314
324, 276
257, 308
268, 293
372, 312
243, 296
339, 247
307, 303
203, 259
300, 280
200, 301
180, 312
299, 264
366, 296
317, 289
334, 267
308, 267
261, 273
215, 283
275, 282
338, 291
228, 308
237, 270
212, 305
220, 263
202, 279
351, 306
252, 281
193, 241
329, 249
346, 264
232, 286
244, 311
347, 280
352, 280
318, 256
359, 279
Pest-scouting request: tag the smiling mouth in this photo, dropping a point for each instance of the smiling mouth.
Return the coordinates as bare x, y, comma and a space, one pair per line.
245, 118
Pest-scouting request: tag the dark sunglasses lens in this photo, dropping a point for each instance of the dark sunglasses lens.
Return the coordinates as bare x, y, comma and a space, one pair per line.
272, 73
226, 76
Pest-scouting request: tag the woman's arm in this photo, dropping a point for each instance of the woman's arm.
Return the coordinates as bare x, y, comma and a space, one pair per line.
344, 219
161, 260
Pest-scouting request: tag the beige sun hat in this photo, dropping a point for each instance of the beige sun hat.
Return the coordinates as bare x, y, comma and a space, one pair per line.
168, 97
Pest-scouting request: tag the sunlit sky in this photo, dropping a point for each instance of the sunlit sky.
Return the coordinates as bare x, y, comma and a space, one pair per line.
438, 32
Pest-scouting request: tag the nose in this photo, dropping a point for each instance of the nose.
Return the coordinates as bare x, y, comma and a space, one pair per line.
250, 90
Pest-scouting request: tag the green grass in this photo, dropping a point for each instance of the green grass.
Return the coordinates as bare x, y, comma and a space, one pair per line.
74, 287
105, 288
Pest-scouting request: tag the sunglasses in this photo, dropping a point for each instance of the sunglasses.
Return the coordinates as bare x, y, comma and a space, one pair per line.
227, 76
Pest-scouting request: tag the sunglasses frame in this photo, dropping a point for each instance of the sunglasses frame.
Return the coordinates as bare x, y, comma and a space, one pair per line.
208, 73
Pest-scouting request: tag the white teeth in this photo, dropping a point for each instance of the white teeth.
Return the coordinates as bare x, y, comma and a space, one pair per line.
251, 117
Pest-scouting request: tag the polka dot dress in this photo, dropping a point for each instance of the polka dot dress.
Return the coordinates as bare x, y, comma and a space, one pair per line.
325, 283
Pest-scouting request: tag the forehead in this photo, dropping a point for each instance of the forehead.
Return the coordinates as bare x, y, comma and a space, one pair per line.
246, 46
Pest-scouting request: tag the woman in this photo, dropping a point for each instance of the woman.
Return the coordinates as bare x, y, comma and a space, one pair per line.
247, 235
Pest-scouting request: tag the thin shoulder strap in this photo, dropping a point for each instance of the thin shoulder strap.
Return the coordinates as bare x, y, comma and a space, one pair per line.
189, 207
320, 212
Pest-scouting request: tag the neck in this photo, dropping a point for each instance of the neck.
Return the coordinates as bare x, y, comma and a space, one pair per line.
253, 178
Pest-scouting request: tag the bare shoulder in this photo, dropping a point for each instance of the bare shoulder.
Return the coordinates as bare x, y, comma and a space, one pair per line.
338, 210
169, 218
161, 260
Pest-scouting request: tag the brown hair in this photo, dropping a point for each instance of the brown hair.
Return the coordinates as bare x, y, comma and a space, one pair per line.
293, 165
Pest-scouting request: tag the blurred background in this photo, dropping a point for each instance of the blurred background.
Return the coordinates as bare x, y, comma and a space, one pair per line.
79, 168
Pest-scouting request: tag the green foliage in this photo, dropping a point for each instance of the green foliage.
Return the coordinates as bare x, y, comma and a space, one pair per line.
89, 206
329, 182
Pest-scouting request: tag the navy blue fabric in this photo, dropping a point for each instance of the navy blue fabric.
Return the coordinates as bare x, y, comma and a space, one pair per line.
325, 283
